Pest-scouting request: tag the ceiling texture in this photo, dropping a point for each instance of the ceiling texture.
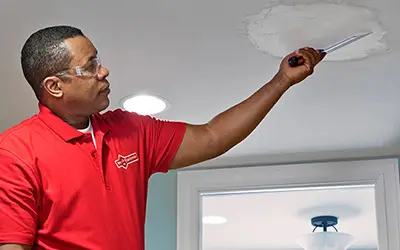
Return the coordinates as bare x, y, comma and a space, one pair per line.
196, 55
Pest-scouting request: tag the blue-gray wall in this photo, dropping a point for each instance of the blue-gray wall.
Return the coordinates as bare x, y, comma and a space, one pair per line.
161, 212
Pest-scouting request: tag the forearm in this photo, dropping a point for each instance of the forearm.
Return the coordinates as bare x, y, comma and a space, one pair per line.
235, 124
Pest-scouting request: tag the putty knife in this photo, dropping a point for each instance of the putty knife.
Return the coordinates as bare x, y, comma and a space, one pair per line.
298, 60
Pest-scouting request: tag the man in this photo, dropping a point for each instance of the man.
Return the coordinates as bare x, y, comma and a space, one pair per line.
72, 178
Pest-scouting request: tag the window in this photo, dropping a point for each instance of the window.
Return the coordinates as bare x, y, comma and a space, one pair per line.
374, 182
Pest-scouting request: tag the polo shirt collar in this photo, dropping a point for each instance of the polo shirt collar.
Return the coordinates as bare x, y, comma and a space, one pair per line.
63, 129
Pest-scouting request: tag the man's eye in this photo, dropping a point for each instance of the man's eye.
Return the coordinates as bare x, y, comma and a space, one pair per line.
91, 67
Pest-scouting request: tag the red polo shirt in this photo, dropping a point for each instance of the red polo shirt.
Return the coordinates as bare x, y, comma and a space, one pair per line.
58, 192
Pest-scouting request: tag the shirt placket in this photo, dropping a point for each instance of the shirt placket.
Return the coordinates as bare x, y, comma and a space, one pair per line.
96, 155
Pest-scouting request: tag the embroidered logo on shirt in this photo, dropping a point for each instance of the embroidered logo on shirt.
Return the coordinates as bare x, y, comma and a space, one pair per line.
124, 161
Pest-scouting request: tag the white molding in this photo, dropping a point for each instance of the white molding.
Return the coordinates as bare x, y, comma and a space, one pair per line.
383, 173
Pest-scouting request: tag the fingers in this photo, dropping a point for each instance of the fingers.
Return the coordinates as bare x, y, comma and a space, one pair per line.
310, 55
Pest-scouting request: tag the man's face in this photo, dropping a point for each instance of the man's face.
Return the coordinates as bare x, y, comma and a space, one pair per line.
84, 91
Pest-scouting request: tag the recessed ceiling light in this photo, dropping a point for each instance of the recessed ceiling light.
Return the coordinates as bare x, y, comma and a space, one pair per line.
144, 104
214, 220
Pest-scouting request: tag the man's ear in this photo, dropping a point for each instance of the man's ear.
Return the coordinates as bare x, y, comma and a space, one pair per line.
52, 85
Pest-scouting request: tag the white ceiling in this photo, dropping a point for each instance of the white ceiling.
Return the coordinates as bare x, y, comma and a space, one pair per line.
196, 55
273, 220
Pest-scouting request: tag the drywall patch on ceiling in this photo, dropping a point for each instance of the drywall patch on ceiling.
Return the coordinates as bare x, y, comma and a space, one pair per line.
281, 29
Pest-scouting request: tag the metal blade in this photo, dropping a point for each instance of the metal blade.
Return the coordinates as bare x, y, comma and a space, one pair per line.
345, 42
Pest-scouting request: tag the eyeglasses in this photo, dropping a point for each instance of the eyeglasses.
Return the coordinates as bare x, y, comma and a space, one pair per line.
90, 69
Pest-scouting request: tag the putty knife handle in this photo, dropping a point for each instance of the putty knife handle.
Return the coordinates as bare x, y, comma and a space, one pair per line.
295, 61
299, 60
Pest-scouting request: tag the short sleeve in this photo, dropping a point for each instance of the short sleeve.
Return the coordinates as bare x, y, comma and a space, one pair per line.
18, 200
162, 139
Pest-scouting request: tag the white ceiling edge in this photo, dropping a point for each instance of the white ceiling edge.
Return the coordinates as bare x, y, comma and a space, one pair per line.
280, 29
299, 157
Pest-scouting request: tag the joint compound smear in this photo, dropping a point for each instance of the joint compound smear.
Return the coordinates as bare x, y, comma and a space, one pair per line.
280, 29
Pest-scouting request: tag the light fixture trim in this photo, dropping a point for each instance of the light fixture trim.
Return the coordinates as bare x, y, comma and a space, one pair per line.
325, 240
139, 103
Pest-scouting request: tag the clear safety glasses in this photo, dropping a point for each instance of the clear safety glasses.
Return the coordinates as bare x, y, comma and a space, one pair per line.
90, 69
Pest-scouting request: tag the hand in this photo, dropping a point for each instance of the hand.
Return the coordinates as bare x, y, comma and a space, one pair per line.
298, 73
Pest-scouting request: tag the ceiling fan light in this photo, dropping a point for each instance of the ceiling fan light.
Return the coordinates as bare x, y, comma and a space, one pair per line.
326, 241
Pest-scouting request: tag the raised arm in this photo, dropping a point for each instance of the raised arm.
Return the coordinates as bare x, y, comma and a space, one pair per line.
207, 141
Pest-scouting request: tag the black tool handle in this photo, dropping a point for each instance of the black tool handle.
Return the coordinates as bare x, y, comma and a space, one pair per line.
299, 60
295, 61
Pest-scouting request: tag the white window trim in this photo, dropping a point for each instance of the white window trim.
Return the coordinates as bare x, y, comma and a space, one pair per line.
383, 173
